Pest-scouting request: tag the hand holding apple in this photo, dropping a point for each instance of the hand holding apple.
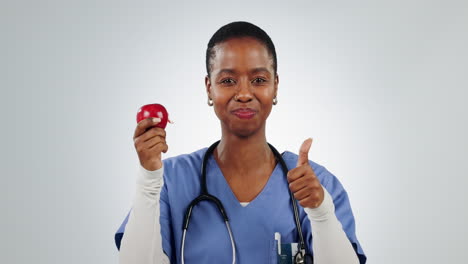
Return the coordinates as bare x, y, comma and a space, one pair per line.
150, 137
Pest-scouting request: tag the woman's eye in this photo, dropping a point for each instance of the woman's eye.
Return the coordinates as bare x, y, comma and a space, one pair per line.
259, 80
227, 81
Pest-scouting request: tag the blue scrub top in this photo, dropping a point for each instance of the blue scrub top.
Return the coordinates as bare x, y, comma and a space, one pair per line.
253, 226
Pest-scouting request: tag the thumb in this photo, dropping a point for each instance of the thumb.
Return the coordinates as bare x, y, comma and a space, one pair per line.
304, 152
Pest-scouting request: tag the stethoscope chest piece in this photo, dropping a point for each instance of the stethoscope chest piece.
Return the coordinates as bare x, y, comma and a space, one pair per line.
302, 257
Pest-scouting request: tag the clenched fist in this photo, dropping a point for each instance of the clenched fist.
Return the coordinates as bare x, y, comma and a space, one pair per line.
149, 143
302, 180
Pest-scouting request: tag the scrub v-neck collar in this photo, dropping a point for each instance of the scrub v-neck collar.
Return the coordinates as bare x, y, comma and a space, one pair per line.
227, 191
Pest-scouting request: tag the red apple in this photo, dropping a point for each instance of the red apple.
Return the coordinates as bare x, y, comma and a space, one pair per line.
154, 110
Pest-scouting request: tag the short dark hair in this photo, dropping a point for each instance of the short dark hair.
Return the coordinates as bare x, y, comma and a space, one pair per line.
239, 29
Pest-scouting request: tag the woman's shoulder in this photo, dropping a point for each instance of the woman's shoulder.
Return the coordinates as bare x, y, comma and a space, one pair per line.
182, 175
187, 158
183, 168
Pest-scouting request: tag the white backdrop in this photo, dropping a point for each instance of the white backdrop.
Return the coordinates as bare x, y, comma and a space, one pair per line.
381, 86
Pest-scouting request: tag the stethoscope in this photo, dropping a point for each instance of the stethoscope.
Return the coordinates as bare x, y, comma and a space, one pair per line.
302, 255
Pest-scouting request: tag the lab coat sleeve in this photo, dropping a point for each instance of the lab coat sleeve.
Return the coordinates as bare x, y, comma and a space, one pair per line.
330, 243
141, 243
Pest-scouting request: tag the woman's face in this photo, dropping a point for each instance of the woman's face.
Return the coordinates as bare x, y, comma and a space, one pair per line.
242, 85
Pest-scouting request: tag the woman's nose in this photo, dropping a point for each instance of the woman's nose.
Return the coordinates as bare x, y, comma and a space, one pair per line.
244, 93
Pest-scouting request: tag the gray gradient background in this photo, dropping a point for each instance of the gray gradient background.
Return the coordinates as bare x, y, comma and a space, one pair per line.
380, 85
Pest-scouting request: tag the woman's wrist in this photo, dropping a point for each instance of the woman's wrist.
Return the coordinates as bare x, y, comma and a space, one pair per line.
324, 211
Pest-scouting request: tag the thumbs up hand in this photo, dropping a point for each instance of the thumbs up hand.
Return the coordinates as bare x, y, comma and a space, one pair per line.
303, 183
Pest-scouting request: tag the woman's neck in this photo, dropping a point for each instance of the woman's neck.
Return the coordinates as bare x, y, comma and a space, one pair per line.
244, 154
246, 163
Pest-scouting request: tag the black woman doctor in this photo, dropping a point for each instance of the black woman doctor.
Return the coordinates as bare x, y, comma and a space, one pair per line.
242, 173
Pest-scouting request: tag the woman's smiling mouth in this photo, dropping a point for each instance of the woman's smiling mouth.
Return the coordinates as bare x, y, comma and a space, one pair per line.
244, 113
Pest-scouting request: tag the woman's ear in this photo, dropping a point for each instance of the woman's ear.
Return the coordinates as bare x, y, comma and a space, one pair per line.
276, 84
208, 86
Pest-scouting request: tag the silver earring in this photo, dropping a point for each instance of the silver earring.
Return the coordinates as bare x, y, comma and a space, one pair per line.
210, 102
275, 101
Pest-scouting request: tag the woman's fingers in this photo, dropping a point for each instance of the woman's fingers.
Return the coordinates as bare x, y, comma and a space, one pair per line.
153, 142
305, 186
297, 173
312, 201
144, 125
303, 193
152, 133
149, 142
160, 147
304, 152
305, 181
